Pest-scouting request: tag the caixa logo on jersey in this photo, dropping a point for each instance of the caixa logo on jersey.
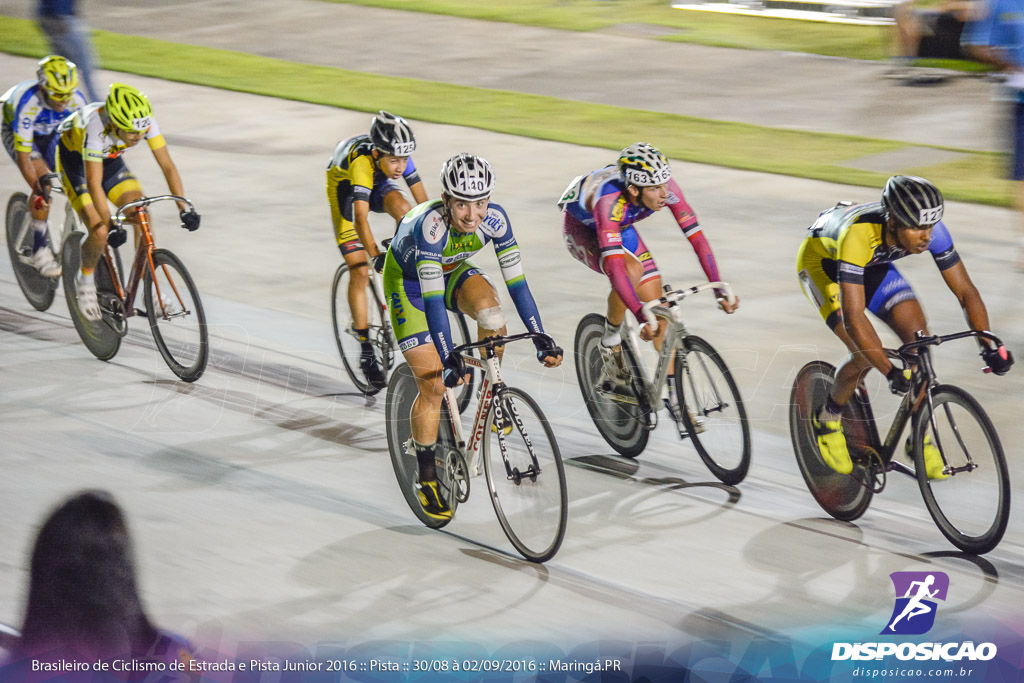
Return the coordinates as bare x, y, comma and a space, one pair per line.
916, 606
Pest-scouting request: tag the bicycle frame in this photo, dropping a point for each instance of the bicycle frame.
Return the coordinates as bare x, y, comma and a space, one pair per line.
491, 388
666, 307
56, 235
143, 257
924, 381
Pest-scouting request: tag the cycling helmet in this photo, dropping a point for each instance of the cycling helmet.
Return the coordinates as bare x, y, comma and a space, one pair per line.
467, 177
129, 109
392, 135
57, 76
911, 201
642, 165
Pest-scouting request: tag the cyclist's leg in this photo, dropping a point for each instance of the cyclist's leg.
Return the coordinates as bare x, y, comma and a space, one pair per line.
471, 291
359, 279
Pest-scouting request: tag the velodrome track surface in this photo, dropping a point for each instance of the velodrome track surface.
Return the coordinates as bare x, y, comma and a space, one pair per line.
262, 498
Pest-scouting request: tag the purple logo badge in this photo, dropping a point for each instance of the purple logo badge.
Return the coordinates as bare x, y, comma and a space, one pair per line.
916, 592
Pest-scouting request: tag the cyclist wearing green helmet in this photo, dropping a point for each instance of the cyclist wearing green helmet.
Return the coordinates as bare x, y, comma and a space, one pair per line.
90, 166
32, 110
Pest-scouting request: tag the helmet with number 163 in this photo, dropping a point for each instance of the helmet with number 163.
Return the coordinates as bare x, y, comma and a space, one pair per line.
642, 165
57, 76
912, 202
467, 177
129, 109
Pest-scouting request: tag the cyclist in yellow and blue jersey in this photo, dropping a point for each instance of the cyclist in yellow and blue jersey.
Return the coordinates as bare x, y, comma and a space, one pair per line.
91, 170
360, 179
845, 266
427, 273
32, 110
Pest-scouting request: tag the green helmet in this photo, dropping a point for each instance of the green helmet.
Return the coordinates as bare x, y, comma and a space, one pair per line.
129, 109
57, 76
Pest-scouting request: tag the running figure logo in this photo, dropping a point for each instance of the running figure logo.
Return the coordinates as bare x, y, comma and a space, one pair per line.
914, 612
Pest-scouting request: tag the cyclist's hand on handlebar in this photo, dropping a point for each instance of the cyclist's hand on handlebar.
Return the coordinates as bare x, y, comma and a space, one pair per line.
455, 372
117, 235
998, 360
189, 220
899, 380
724, 304
652, 328
548, 353
378, 261
41, 193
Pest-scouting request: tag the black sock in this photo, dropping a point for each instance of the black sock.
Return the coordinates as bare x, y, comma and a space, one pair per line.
832, 407
425, 459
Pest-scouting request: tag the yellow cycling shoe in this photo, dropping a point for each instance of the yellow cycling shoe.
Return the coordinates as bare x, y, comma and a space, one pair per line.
832, 444
933, 464
506, 425
431, 500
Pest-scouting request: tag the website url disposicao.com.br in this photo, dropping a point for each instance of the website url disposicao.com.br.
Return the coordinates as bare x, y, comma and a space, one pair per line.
902, 673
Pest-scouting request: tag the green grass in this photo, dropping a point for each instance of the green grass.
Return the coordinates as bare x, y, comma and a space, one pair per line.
742, 146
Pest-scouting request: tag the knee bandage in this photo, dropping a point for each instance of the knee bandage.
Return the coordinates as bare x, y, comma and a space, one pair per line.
491, 318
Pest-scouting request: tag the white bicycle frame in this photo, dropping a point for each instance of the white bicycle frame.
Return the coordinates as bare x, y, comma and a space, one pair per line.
58, 234
664, 307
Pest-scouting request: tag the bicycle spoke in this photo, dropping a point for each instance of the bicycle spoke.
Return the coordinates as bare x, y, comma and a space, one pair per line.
176, 316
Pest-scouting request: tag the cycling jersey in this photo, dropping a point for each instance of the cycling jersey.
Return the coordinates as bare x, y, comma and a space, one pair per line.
596, 204
845, 245
29, 123
426, 264
352, 175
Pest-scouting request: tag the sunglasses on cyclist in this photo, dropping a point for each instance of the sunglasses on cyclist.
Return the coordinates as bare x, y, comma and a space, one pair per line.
57, 97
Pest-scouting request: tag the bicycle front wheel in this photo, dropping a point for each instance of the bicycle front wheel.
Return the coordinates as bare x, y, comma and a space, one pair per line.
971, 506
349, 346
176, 316
452, 477
525, 476
840, 495
712, 411
616, 411
37, 289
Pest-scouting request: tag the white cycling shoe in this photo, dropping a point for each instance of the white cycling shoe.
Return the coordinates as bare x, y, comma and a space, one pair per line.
88, 304
45, 262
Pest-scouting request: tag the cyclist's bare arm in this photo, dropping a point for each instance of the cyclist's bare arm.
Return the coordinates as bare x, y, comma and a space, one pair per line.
174, 184
419, 193
860, 329
361, 221
959, 282
28, 168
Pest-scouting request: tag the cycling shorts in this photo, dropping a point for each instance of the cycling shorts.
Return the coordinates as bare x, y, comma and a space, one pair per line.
406, 306
581, 241
884, 286
341, 199
117, 179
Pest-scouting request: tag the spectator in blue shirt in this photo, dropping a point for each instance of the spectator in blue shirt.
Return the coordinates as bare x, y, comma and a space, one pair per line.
69, 37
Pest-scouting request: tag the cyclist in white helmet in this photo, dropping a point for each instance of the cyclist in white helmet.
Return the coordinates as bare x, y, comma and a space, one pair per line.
600, 212
427, 272
361, 177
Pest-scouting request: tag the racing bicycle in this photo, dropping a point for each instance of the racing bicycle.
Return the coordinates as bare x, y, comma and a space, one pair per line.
37, 288
711, 412
970, 505
382, 336
170, 297
521, 462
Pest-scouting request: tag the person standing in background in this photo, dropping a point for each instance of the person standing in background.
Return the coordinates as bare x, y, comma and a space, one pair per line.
997, 38
69, 37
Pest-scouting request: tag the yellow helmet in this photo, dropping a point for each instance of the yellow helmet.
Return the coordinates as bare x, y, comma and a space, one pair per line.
129, 109
57, 75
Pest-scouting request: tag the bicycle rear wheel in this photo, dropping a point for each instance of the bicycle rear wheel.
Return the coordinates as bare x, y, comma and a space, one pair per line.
37, 289
617, 412
349, 346
452, 474
176, 316
972, 506
525, 476
840, 495
712, 411
102, 337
